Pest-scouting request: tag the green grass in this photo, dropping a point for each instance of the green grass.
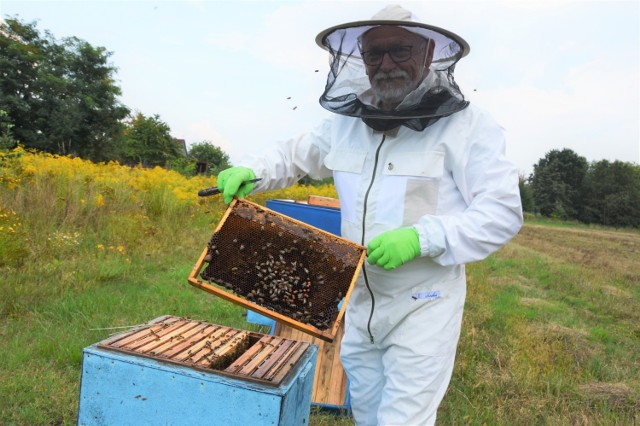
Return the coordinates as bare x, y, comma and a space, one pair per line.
548, 339
551, 331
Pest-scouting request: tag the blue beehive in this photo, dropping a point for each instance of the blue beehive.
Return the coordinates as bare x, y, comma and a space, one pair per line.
325, 218
175, 371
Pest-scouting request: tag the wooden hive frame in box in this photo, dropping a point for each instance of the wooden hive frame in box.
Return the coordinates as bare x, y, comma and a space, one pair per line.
209, 347
280, 267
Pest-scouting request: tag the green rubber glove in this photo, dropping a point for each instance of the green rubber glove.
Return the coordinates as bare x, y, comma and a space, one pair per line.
230, 182
393, 248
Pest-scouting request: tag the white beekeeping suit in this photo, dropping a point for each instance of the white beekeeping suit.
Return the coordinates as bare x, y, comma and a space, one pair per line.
435, 164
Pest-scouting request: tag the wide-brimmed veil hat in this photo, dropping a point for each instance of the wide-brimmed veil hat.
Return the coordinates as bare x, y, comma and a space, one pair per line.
448, 45
348, 85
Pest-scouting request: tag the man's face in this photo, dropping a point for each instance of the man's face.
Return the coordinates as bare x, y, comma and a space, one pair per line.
396, 61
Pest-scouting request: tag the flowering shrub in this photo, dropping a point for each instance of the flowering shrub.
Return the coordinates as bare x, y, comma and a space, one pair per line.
69, 201
13, 242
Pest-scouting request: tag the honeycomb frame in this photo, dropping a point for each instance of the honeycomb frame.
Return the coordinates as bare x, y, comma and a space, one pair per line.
280, 267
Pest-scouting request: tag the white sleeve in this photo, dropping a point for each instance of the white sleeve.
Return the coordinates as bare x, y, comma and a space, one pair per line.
289, 161
488, 182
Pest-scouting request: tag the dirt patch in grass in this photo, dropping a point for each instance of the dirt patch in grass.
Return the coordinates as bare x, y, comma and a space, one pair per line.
535, 302
617, 395
610, 290
565, 331
557, 345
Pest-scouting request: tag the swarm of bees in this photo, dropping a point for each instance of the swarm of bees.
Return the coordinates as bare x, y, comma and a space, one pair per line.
280, 268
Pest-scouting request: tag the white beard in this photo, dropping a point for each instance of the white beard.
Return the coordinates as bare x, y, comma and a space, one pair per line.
393, 93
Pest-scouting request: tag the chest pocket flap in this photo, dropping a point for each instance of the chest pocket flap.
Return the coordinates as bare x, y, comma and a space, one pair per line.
427, 164
345, 160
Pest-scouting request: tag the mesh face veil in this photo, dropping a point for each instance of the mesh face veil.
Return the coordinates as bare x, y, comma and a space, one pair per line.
356, 86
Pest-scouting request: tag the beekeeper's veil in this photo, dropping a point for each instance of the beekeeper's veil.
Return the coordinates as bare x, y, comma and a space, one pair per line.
348, 89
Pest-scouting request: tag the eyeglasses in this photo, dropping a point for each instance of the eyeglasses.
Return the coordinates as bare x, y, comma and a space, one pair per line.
397, 54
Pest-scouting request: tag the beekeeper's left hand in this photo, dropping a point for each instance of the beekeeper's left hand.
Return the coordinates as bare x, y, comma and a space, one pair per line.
394, 248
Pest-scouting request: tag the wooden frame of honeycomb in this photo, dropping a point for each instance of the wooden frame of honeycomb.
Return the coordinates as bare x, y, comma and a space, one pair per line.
280, 267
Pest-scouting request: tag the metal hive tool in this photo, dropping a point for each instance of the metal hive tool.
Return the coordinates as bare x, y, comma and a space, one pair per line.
280, 267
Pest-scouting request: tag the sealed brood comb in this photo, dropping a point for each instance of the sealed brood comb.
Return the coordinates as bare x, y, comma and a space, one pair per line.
280, 267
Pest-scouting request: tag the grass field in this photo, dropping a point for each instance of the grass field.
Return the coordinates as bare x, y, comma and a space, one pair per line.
551, 334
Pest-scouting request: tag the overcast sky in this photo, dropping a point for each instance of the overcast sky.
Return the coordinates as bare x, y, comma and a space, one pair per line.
554, 73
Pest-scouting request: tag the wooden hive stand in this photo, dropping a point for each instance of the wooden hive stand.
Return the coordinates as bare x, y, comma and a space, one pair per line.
330, 385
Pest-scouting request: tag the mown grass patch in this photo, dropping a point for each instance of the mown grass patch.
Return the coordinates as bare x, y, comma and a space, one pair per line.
542, 326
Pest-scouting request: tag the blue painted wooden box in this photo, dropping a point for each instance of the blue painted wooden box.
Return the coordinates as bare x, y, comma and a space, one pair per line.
321, 217
137, 386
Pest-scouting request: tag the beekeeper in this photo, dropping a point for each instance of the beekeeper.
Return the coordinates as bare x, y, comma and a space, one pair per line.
423, 182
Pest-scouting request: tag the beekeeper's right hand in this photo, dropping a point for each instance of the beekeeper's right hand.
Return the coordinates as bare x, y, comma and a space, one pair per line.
231, 182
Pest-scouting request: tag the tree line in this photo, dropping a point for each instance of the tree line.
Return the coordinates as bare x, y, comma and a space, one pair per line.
61, 96
565, 185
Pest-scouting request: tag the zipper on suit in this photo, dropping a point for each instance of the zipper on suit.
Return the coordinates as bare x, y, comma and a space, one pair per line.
364, 216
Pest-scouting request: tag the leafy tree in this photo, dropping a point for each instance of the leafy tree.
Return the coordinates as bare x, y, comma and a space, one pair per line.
214, 157
60, 97
307, 181
526, 195
612, 195
6, 136
148, 141
184, 166
21, 50
557, 183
